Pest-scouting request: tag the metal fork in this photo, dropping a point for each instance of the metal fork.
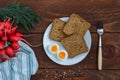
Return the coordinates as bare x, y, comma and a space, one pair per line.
100, 32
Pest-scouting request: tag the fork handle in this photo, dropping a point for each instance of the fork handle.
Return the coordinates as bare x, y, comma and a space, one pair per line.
100, 54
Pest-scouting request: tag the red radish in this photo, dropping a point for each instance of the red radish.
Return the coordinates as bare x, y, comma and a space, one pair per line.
16, 50
13, 30
9, 52
15, 45
1, 23
2, 52
9, 35
2, 44
18, 34
1, 33
8, 31
14, 38
4, 59
7, 24
2, 26
4, 38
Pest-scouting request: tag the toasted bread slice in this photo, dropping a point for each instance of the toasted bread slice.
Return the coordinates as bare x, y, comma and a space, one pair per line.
56, 32
76, 24
74, 45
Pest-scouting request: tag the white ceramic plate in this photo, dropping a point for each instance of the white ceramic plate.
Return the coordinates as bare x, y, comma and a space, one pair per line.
69, 61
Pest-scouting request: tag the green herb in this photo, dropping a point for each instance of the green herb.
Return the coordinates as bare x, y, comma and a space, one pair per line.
8, 42
20, 14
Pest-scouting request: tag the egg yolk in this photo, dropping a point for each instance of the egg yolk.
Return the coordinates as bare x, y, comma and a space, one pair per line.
62, 55
54, 48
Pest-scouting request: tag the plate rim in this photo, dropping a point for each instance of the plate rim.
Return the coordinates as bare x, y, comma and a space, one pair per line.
86, 54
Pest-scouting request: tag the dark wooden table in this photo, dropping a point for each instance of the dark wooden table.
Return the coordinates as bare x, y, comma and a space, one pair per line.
92, 10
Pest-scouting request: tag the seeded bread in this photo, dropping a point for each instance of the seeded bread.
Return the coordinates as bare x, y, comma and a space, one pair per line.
76, 24
74, 45
56, 32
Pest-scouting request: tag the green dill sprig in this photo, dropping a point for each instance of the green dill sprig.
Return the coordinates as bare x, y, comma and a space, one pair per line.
20, 14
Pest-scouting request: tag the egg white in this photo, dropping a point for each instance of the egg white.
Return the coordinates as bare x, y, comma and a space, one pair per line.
65, 54
50, 46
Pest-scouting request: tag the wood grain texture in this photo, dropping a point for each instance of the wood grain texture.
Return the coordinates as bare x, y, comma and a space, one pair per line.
111, 49
76, 74
92, 10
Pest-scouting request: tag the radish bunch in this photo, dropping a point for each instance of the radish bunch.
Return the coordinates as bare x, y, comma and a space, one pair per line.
9, 40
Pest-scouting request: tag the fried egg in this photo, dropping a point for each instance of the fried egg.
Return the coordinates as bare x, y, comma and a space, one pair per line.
54, 48
62, 55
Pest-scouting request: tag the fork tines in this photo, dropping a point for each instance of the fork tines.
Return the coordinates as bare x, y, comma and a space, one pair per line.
100, 24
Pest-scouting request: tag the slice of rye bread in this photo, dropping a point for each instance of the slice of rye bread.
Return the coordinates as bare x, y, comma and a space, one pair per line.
56, 32
76, 24
74, 45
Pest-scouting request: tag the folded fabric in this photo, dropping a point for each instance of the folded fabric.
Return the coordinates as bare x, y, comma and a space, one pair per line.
21, 67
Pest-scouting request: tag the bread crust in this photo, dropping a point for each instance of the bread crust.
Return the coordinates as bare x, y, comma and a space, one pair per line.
74, 45
56, 32
76, 24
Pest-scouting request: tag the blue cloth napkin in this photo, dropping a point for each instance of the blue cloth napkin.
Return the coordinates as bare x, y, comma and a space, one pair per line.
21, 67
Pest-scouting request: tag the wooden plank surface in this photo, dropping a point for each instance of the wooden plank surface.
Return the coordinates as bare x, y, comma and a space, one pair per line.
76, 74
92, 10
111, 49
